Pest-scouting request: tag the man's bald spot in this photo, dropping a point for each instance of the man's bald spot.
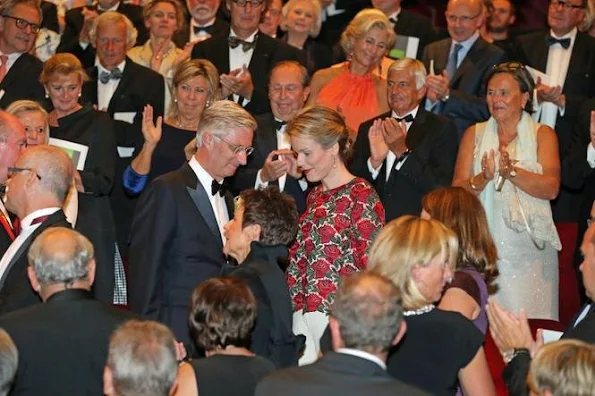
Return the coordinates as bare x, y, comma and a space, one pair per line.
58, 243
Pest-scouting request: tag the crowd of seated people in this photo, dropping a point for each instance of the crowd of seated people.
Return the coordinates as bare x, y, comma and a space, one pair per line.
352, 186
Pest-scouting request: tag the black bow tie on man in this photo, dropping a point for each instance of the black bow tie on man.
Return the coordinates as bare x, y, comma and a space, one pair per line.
407, 118
220, 188
279, 124
205, 29
565, 42
246, 45
115, 74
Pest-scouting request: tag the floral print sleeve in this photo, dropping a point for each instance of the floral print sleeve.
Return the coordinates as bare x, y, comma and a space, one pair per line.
334, 237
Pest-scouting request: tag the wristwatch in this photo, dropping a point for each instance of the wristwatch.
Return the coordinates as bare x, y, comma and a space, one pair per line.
512, 172
511, 354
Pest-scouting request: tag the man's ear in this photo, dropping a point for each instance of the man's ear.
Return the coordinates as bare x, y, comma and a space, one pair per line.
306, 93
401, 333
91, 275
108, 382
336, 339
33, 279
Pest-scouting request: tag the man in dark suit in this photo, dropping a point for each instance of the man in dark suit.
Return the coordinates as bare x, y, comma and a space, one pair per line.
177, 232
245, 58
203, 24
63, 342
37, 187
50, 16
336, 15
567, 57
366, 320
407, 23
19, 71
122, 88
407, 152
457, 66
272, 160
79, 22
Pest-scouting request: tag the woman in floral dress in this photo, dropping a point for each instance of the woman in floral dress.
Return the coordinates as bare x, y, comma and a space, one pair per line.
343, 216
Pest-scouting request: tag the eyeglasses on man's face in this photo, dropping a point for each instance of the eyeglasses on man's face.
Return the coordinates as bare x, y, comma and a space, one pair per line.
237, 148
12, 170
567, 5
22, 24
463, 18
253, 3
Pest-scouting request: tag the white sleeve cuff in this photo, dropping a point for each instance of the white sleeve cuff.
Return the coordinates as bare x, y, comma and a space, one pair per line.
259, 184
373, 171
591, 155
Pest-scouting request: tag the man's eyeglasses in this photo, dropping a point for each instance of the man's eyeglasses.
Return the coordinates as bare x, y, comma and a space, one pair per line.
22, 24
13, 170
565, 4
237, 148
463, 19
253, 3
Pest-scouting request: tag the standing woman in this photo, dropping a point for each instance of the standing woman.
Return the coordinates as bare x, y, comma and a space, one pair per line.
342, 217
63, 77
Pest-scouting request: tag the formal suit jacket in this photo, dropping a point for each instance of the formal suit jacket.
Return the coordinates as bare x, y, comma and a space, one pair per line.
415, 25
433, 143
175, 245
335, 374
466, 104
50, 16
265, 141
138, 87
74, 21
22, 82
333, 26
5, 237
62, 344
181, 38
15, 289
267, 53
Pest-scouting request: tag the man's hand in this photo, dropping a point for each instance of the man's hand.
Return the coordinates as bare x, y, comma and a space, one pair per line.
508, 331
290, 159
273, 169
239, 82
88, 19
488, 165
394, 135
553, 94
378, 147
438, 86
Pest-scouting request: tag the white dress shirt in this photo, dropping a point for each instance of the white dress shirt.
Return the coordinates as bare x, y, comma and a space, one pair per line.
105, 92
26, 231
217, 201
391, 157
238, 58
363, 355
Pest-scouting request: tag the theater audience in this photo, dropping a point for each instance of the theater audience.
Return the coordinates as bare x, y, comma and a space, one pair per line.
63, 77
302, 20
264, 225
195, 87
34, 119
511, 162
19, 71
9, 360
407, 151
343, 215
141, 360
352, 88
366, 321
222, 316
63, 342
272, 19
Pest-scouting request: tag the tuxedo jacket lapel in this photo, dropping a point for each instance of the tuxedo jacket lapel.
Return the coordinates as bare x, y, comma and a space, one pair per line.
441, 58
90, 87
220, 54
468, 62
259, 64
123, 85
17, 68
538, 54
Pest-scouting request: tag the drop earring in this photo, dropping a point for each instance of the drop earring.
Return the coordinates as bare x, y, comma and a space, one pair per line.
334, 162
47, 95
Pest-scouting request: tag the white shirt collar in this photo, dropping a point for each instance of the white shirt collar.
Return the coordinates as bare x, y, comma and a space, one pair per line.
469, 42
571, 35
26, 221
100, 67
193, 23
412, 112
363, 355
395, 15
203, 176
249, 39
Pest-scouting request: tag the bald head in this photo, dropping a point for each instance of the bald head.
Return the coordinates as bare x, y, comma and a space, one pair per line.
53, 166
463, 18
12, 141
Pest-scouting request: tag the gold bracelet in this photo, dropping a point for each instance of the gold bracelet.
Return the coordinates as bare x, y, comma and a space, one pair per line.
473, 186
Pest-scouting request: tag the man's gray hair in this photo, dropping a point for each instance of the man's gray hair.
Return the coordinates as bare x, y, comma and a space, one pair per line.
60, 256
412, 66
110, 18
6, 6
9, 361
142, 359
222, 117
53, 166
369, 312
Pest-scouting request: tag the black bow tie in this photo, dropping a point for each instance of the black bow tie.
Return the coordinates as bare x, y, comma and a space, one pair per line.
565, 42
206, 29
246, 45
393, 21
218, 188
115, 74
279, 124
407, 118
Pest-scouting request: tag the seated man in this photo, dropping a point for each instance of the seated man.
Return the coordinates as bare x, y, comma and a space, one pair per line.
366, 320
63, 342
141, 360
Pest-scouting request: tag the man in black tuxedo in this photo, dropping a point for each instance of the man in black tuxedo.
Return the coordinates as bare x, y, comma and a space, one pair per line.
366, 320
245, 65
19, 71
37, 187
63, 342
407, 152
568, 58
272, 159
457, 66
177, 232
204, 22
407, 23
50, 16
122, 88
79, 22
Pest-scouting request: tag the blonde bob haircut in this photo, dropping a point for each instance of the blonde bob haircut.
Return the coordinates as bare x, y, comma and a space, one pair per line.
62, 64
180, 20
111, 18
186, 71
362, 23
564, 368
19, 107
315, 31
405, 243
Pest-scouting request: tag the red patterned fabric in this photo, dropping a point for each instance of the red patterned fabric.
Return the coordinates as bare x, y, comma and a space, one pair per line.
335, 233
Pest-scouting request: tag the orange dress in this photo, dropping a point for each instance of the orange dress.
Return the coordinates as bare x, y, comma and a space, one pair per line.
351, 95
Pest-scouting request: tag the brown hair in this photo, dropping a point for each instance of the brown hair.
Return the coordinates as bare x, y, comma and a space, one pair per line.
180, 19
64, 64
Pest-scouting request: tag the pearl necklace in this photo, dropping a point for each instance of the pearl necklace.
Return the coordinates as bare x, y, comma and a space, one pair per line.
420, 311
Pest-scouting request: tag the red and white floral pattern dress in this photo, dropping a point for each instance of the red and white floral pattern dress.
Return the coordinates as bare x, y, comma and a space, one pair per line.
335, 233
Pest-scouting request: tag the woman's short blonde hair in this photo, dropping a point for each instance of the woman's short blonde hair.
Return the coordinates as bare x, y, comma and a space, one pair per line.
323, 125
62, 64
408, 242
564, 368
315, 31
362, 23
18, 107
180, 19
186, 71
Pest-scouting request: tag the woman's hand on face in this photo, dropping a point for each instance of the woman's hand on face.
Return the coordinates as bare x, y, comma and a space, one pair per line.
488, 165
290, 159
151, 132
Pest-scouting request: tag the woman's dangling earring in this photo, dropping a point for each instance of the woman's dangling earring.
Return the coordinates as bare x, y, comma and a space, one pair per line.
47, 95
175, 100
334, 162
208, 103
